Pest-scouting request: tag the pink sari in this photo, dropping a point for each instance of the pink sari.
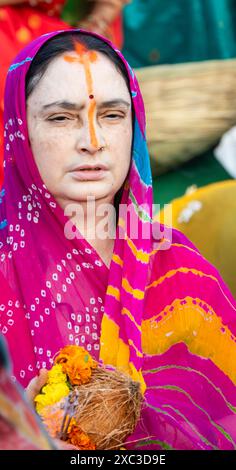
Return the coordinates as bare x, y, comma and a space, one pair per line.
161, 312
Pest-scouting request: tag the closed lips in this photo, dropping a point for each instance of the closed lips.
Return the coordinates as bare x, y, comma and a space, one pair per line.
92, 168
88, 169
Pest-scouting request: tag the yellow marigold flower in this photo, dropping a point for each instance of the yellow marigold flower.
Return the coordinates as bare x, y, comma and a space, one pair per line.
56, 375
76, 363
51, 394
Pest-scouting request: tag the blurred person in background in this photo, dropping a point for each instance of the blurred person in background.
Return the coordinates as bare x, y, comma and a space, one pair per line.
20, 429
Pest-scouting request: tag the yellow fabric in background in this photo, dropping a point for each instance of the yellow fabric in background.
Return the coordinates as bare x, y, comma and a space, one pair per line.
207, 217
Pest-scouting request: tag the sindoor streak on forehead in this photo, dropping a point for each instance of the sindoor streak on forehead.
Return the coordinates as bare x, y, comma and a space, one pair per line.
85, 57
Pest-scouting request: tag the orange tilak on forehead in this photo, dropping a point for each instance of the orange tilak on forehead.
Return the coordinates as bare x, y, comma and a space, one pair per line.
86, 57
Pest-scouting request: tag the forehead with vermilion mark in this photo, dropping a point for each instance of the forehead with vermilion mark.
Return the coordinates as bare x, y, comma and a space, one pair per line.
86, 57
82, 54
65, 82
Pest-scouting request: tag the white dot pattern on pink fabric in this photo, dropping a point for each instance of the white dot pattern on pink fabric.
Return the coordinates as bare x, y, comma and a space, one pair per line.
83, 328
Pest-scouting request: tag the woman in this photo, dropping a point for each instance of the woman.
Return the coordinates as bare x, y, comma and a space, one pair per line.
151, 306
21, 22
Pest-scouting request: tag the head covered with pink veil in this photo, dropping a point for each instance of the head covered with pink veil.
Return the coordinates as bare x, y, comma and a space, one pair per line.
156, 310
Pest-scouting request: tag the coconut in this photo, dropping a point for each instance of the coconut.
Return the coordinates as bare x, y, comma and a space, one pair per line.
106, 409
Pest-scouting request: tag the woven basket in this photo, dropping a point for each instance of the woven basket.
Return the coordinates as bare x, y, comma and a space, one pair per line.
189, 107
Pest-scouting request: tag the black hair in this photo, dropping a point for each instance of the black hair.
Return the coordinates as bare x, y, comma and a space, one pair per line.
65, 42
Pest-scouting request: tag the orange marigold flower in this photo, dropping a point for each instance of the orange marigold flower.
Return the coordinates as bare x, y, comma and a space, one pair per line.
76, 363
78, 438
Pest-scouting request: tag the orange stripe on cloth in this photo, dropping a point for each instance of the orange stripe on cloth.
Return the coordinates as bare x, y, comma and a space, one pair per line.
185, 320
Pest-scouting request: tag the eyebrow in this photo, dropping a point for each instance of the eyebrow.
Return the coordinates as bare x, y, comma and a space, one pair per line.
73, 106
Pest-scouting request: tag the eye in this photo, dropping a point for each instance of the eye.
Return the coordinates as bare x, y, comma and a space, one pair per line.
114, 115
59, 118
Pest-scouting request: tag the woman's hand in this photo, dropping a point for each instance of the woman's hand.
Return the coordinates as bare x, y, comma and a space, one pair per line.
62, 445
35, 385
32, 390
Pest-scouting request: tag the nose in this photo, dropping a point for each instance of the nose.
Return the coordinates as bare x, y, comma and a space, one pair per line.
90, 141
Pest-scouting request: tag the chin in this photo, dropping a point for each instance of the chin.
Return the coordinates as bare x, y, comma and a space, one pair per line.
94, 190
83, 196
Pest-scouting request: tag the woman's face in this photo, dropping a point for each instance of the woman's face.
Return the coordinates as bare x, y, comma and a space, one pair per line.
79, 114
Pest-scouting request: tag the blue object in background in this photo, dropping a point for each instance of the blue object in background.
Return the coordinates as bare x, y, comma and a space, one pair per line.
167, 31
